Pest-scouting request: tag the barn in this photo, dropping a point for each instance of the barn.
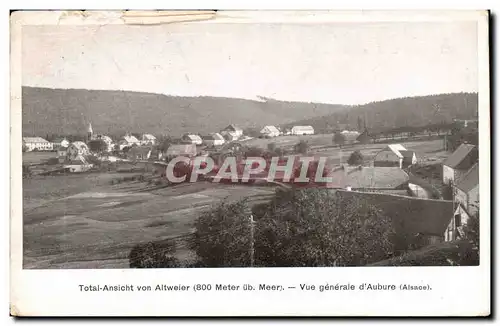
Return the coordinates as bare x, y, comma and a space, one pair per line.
302, 130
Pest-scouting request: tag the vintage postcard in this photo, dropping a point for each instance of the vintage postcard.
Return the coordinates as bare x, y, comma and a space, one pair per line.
255, 163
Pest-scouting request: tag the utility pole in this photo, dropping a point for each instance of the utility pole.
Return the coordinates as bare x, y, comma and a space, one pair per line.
252, 251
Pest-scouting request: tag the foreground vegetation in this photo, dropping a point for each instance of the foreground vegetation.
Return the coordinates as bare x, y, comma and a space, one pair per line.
300, 228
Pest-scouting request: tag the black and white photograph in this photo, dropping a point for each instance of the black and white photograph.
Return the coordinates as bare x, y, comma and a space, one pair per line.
238, 143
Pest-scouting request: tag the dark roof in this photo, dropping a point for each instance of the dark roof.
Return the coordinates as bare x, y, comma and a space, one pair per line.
410, 215
463, 157
232, 127
407, 154
470, 180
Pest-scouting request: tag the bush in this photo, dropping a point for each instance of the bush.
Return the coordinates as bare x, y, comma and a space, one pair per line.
339, 139
356, 158
154, 255
302, 147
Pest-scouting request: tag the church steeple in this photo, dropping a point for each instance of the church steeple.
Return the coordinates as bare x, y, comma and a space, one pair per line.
90, 132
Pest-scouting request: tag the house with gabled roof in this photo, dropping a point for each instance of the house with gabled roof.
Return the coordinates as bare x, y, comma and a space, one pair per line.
214, 139
148, 139
270, 131
459, 162
232, 132
128, 141
395, 155
76, 150
192, 139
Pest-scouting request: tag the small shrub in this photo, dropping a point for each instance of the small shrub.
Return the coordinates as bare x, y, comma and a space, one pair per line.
154, 255
356, 158
302, 147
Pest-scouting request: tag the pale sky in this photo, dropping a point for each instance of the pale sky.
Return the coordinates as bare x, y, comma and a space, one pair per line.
345, 63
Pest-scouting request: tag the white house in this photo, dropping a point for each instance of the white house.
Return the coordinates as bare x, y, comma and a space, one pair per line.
148, 139
37, 143
459, 162
192, 139
214, 139
77, 149
128, 141
187, 150
232, 132
60, 142
302, 130
395, 155
270, 131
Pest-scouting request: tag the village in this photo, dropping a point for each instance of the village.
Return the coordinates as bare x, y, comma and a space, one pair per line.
437, 187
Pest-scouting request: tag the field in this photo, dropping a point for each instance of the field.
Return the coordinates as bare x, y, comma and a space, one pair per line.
97, 227
426, 151
82, 221
37, 157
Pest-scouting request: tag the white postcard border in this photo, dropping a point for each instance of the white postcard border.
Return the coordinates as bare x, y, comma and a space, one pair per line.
458, 291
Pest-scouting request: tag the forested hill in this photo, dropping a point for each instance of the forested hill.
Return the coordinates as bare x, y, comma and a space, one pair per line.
67, 111
401, 112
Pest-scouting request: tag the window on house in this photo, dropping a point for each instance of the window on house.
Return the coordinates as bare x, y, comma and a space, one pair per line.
458, 220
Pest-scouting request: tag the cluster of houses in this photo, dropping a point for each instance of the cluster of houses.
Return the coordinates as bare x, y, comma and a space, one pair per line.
386, 184
73, 154
228, 134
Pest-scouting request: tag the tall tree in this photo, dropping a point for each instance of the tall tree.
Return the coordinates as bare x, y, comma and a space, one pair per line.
97, 145
312, 227
360, 124
339, 139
